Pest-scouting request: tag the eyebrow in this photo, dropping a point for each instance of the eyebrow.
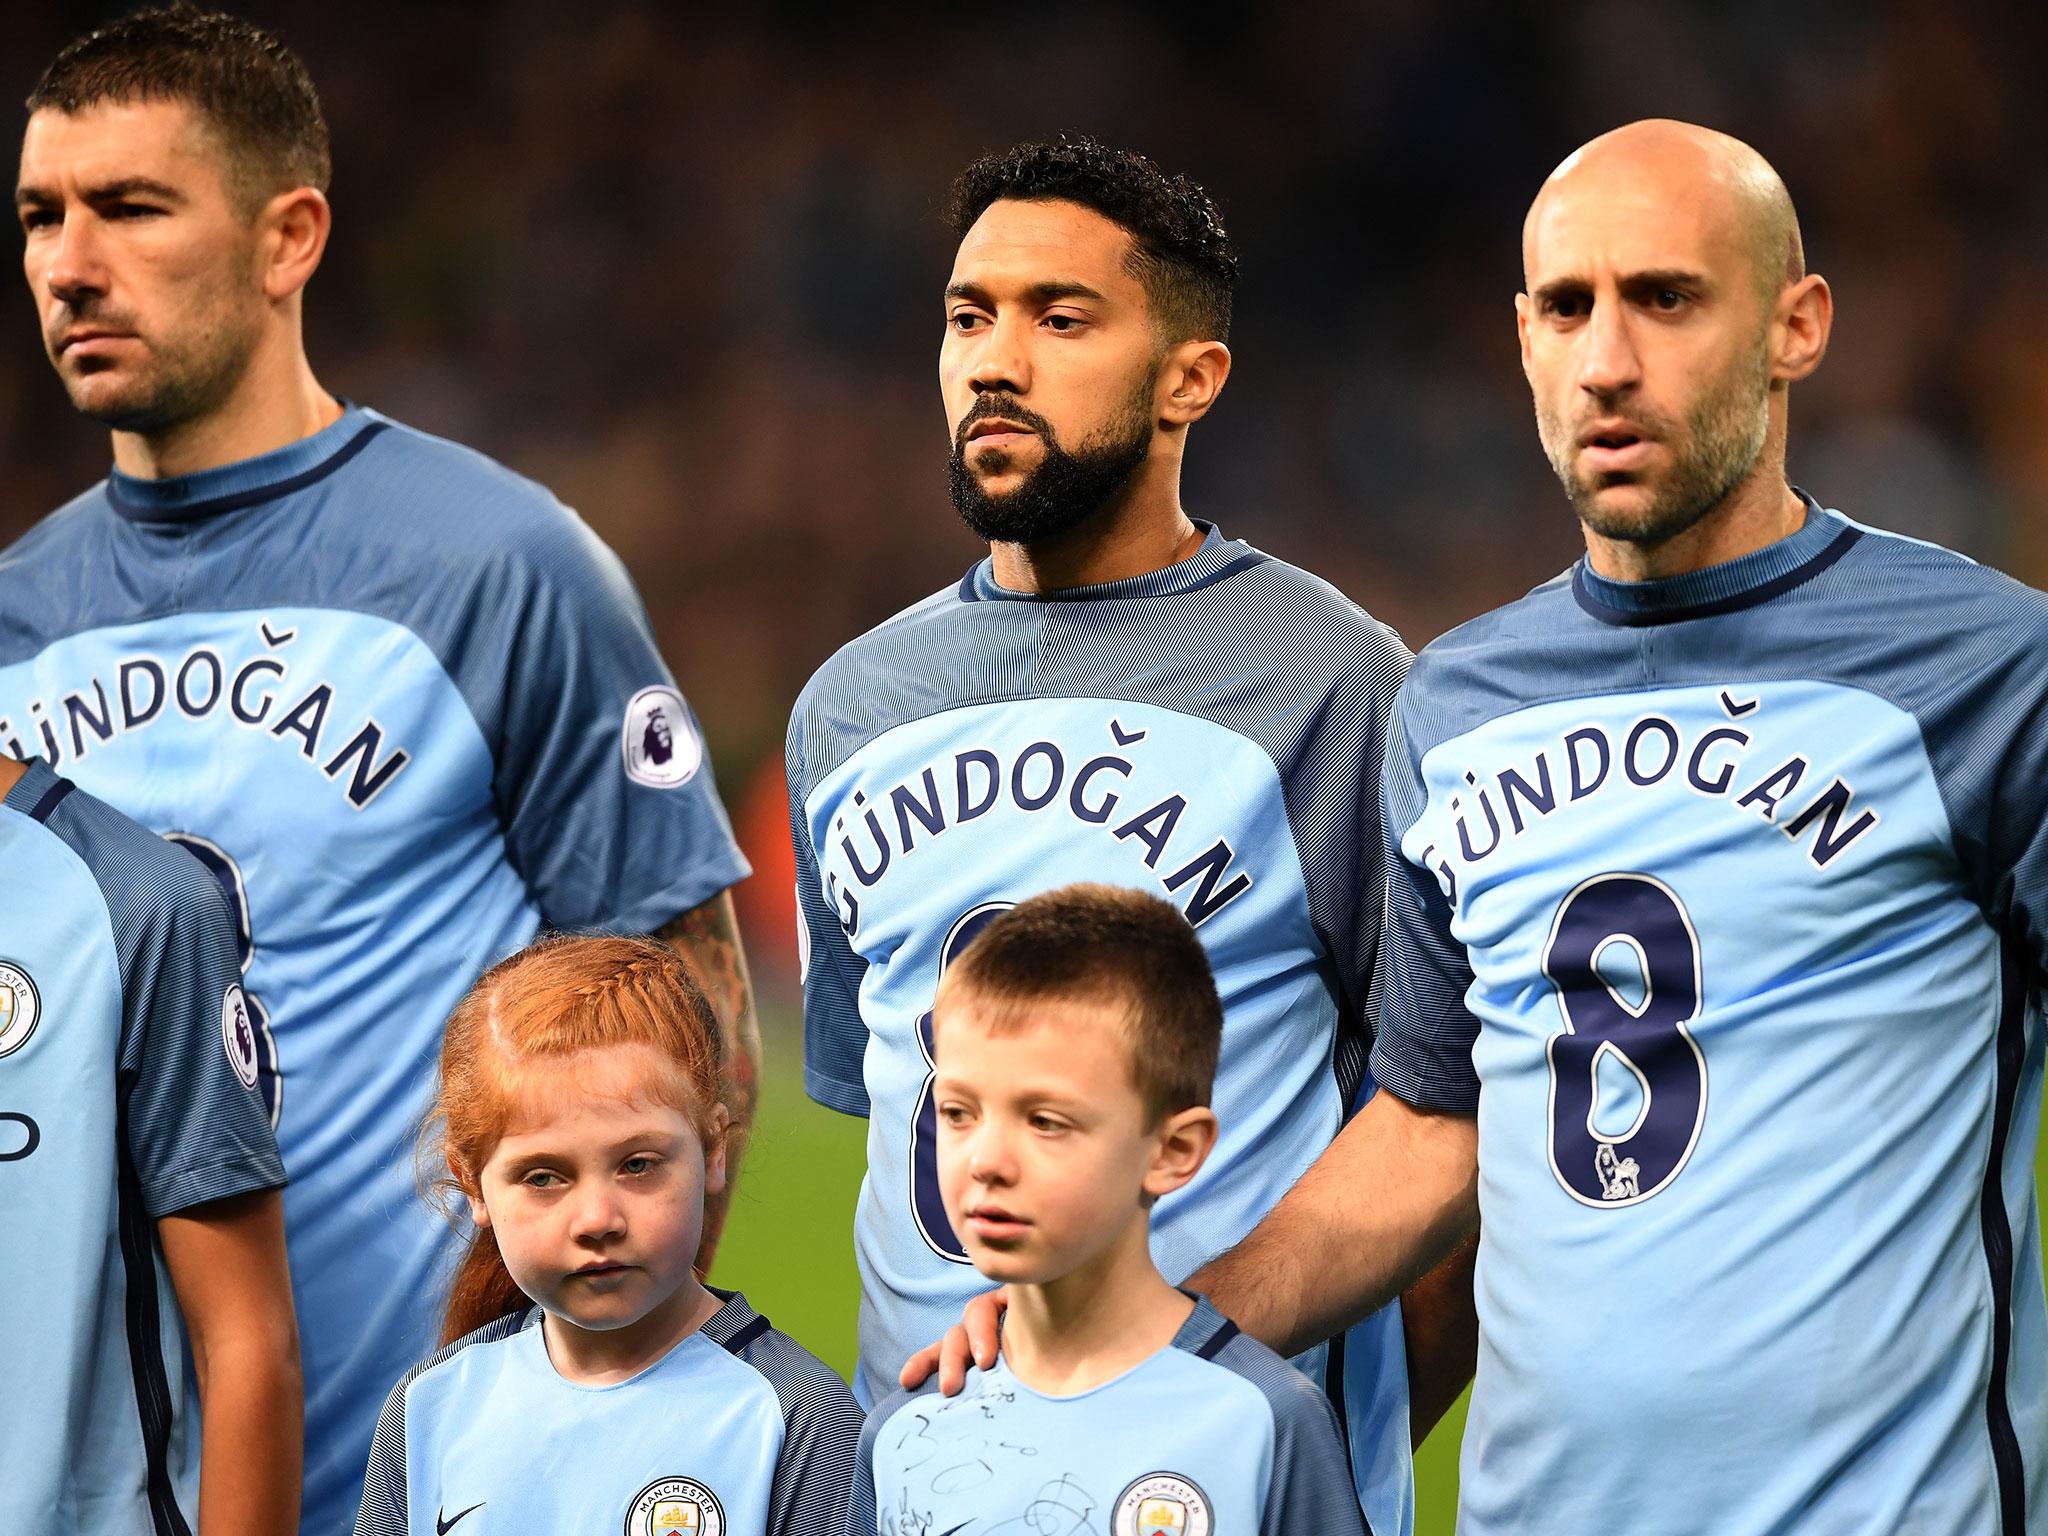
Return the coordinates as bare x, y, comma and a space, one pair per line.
105, 192
1048, 292
1655, 277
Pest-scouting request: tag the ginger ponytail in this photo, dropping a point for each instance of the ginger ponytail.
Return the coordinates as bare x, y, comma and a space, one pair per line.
549, 1001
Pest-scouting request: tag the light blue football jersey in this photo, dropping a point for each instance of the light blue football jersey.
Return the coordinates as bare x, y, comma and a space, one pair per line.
737, 1431
1209, 732
408, 710
1212, 1435
123, 1033
1723, 901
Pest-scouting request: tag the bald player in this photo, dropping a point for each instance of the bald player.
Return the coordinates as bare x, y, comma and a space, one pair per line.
1718, 863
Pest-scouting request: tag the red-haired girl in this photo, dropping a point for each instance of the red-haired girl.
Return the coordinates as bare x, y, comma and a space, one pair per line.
589, 1379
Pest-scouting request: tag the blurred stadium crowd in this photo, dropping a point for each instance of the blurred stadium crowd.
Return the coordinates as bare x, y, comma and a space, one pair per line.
683, 263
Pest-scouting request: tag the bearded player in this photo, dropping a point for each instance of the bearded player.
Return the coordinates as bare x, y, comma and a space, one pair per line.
1117, 693
399, 700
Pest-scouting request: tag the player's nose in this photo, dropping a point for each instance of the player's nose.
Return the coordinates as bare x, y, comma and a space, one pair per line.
1608, 362
74, 270
1001, 361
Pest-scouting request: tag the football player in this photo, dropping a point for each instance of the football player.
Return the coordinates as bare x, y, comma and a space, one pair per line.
402, 702
1716, 939
1118, 693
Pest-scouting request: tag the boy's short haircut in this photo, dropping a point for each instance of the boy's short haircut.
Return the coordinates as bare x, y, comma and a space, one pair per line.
241, 79
1105, 944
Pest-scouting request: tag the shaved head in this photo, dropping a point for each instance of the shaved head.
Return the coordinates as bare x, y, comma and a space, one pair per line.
1667, 310
1683, 164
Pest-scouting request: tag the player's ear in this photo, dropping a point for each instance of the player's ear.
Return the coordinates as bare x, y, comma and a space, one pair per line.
292, 233
1522, 331
1190, 378
1800, 326
716, 1126
479, 1213
1182, 1144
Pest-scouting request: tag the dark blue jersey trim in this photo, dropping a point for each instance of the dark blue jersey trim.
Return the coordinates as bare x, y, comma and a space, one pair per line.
1762, 593
1243, 562
235, 501
746, 1335
52, 798
145, 1349
1218, 1341
2006, 1458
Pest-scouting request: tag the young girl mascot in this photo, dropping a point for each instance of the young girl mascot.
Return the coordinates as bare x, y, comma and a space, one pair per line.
590, 1381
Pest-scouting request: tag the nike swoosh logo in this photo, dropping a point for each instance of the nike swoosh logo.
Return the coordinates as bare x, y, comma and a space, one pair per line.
442, 1527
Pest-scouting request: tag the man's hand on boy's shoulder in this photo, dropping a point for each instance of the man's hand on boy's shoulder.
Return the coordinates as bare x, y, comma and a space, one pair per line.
974, 1340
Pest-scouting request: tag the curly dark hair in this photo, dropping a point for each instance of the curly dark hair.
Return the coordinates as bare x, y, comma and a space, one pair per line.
1179, 249
241, 78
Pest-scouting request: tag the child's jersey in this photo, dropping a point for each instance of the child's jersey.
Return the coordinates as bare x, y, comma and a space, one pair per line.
1722, 901
737, 1431
1215, 1435
407, 709
127, 1071
1209, 732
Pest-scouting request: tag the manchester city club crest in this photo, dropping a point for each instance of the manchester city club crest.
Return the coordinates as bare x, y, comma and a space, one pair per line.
238, 1034
1162, 1504
20, 1008
675, 1506
661, 744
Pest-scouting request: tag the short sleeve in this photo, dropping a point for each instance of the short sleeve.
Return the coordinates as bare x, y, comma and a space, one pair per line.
602, 779
863, 1519
1333, 803
195, 1130
835, 1034
1309, 1487
814, 1474
1985, 720
385, 1499
1423, 1046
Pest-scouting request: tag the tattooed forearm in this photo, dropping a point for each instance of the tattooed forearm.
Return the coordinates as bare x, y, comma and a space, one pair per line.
709, 937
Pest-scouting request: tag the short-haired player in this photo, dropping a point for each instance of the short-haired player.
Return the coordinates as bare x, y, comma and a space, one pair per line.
1077, 1040
1117, 693
590, 1379
402, 703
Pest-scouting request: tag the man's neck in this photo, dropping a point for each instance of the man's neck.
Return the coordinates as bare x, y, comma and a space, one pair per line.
272, 407
1141, 531
1754, 516
1095, 1323
10, 773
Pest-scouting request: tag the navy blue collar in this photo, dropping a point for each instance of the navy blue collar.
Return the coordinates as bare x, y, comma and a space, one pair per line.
1217, 558
209, 492
1754, 578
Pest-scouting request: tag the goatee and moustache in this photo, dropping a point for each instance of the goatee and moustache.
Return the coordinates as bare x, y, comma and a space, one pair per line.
1069, 485
1714, 447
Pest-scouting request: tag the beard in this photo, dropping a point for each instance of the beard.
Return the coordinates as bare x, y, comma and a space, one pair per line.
1713, 450
178, 380
1067, 488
